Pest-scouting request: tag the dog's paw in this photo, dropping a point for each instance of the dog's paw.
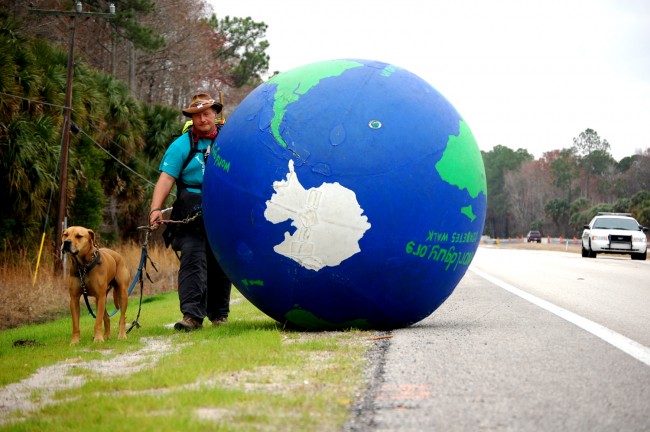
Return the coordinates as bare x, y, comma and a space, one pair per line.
74, 341
98, 339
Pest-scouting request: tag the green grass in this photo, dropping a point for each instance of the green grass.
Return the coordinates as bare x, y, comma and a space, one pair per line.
249, 374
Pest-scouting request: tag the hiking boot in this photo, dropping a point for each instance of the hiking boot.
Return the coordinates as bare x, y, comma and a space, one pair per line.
219, 321
188, 324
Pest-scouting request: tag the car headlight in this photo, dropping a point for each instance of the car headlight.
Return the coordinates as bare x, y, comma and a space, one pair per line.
599, 237
641, 239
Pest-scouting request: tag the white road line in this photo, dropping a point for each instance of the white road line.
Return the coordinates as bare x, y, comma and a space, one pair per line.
625, 344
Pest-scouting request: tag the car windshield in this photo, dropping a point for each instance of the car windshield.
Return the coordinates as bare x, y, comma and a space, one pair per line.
616, 223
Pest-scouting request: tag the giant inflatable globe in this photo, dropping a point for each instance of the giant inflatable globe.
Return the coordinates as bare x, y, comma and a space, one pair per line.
345, 194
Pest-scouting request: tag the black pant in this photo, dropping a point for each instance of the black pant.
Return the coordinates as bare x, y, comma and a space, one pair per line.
203, 287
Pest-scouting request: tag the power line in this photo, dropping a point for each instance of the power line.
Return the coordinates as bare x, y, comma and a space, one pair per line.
32, 100
129, 153
117, 159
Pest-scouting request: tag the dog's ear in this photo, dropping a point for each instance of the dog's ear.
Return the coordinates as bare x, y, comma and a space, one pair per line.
93, 239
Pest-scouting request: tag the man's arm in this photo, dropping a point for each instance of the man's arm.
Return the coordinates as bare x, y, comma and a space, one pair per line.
160, 193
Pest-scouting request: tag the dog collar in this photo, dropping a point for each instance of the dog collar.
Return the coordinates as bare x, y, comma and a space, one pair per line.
96, 260
86, 268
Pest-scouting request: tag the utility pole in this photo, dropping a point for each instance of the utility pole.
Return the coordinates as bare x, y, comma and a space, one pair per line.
65, 135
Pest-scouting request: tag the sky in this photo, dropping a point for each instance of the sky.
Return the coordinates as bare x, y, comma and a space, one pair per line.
522, 74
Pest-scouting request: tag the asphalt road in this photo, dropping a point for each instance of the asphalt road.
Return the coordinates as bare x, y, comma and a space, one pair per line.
530, 340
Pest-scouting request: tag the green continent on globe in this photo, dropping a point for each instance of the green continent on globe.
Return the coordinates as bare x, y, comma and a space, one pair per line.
461, 165
469, 212
296, 82
308, 320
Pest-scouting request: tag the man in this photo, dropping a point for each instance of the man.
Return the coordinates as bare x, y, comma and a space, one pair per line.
203, 288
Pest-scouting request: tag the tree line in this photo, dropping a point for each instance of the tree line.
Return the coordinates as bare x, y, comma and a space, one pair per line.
560, 192
132, 76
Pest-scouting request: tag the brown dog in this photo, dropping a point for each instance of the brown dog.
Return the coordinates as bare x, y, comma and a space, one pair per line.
97, 271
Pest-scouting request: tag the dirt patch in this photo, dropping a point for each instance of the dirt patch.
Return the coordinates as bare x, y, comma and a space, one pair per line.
38, 390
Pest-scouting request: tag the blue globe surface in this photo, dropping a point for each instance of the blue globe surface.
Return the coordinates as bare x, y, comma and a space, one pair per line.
345, 193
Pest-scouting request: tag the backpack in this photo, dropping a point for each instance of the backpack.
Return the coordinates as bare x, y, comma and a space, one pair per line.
187, 204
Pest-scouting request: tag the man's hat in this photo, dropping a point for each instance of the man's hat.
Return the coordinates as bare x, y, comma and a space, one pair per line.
200, 103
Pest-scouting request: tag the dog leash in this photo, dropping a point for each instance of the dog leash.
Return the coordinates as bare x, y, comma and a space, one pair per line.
142, 270
182, 221
83, 270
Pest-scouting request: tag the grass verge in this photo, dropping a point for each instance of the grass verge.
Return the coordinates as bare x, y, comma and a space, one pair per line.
249, 374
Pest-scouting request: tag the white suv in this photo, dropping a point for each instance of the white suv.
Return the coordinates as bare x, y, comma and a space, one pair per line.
614, 233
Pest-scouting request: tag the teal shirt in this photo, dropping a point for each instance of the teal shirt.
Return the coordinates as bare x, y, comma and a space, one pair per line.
174, 158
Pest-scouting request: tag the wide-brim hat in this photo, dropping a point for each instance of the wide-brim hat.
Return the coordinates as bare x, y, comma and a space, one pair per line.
201, 102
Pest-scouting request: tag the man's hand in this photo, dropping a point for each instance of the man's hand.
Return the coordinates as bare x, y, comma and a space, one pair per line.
155, 218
